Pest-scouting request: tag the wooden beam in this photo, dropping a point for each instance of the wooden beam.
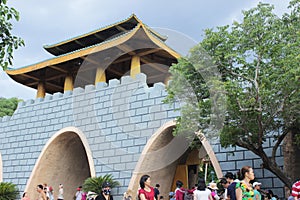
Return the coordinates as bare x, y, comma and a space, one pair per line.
120, 28
151, 64
31, 77
58, 69
144, 53
126, 49
76, 41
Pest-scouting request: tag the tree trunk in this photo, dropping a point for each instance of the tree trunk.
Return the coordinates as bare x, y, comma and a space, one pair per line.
291, 154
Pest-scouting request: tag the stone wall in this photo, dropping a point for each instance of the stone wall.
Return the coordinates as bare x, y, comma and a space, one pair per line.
117, 120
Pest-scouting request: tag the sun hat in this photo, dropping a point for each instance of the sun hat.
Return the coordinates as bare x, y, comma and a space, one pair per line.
256, 183
212, 186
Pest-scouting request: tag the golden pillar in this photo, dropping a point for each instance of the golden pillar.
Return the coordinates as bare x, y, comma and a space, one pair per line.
135, 67
100, 75
167, 79
68, 83
41, 91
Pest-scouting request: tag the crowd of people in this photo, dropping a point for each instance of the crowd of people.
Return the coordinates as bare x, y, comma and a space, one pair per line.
46, 193
228, 188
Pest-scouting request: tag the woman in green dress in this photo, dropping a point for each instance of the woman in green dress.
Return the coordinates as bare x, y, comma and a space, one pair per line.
244, 190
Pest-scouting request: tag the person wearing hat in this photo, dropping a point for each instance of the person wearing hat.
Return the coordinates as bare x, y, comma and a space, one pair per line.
78, 194
106, 192
171, 196
213, 187
257, 195
51, 196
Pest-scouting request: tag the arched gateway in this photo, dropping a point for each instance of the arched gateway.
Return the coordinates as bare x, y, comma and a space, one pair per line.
65, 159
167, 158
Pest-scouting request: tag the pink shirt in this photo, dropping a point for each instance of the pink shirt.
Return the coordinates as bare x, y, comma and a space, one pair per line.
148, 195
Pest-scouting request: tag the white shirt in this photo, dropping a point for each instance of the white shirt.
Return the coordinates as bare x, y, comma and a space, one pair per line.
202, 195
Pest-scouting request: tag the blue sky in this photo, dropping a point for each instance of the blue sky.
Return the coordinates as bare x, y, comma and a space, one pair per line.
48, 22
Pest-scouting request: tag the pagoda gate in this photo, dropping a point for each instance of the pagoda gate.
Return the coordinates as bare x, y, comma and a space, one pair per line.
98, 110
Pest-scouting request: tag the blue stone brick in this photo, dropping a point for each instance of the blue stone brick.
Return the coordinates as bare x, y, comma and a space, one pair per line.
130, 166
228, 166
239, 155
114, 159
134, 149
221, 156
139, 141
119, 166
128, 128
243, 163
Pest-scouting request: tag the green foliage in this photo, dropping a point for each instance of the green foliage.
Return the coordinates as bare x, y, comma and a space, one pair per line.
258, 60
94, 184
8, 191
8, 42
8, 106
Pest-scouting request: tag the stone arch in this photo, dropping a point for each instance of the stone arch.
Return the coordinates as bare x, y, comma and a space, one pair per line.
1, 168
162, 164
65, 159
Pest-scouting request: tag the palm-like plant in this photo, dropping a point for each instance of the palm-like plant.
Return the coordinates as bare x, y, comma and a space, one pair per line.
8, 191
94, 184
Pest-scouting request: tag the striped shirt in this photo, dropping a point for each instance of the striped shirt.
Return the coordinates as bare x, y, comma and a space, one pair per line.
296, 189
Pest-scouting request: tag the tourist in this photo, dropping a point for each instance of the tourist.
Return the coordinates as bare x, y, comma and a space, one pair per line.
225, 185
78, 194
156, 191
271, 195
146, 192
213, 188
296, 190
230, 177
201, 192
42, 194
106, 192
60, 192
171, 196
257, 194
179, 191
46, 190
244, 190
25, 196
127, 195
51, 196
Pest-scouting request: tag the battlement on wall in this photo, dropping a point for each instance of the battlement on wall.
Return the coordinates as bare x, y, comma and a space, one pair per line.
140, 78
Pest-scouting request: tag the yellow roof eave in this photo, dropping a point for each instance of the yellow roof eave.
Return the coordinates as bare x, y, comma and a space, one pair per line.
93, 49
73, 55
161, 44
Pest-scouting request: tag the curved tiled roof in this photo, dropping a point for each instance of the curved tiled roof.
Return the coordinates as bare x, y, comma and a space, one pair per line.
152, 50
97, 36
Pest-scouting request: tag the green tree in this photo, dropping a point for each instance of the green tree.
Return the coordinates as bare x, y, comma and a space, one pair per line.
8, 106
8, 191
258, 60
94, 184
8, 42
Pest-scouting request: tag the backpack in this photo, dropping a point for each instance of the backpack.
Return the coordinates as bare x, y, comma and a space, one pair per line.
188, 196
